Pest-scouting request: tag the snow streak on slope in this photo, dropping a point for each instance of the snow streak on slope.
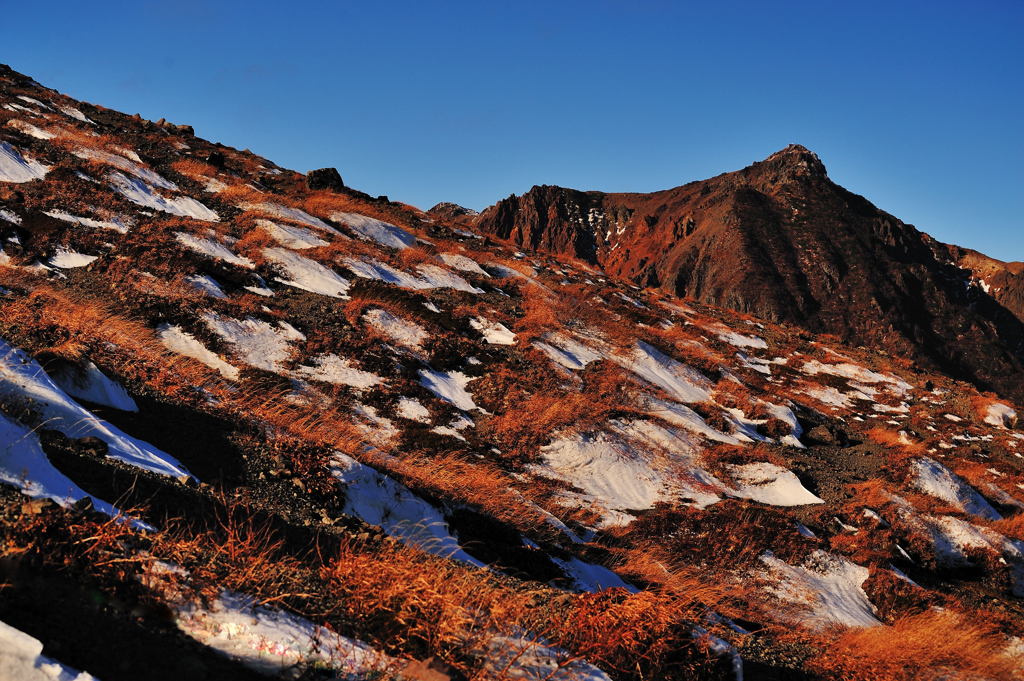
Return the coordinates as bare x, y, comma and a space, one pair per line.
22, 380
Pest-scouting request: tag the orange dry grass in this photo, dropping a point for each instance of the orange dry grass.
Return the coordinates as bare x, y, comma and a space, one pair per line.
324, 204
981, 403
76, 320
399, 597
194, 168
244, 194
539, 313
404, 599
945, 643
1013, 526
408, 258
898, 446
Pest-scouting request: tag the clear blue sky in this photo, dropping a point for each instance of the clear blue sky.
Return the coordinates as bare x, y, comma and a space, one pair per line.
917, 105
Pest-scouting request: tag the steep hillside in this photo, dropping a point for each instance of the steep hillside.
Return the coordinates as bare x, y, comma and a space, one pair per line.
780, 240
258, 424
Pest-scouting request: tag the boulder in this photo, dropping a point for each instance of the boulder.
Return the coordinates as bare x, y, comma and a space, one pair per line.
324, 178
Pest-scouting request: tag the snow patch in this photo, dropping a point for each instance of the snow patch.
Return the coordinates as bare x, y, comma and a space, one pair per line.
379, 500
462, 263
307, 274
30, 130
142, 194
66, 258
87, 382
371, 229
400, 331
339, 371
16, 168
148, 176
255, 342
679, 381
828, 589
206, 284
1000, 415
121, 225
178, 341
494, 333
280, 212
291, 236
22, 380
22, 659
449, 386
270, 641
411, 408
770, 484
212, 248
931, 477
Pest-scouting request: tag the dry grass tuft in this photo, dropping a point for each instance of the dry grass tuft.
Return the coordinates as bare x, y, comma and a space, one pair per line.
948, 644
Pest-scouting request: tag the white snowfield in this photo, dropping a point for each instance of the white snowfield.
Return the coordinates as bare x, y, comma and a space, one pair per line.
90, 384
379, 500
179, 341
371, 229
272, 641
770, 484
117, 224
66, 258
826, 590
276, 210
931, 477
463, 263
291, 236
22, 659
147, 175
494, 333
399, 331
256, 342
211, 247
23, 382
16, 168
308, 275
450, 386
137, 191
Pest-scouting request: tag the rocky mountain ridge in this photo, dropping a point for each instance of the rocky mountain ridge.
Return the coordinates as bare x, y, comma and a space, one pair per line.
781, 241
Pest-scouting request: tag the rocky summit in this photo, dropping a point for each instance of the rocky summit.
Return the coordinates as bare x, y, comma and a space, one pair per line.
781, 241
256, 423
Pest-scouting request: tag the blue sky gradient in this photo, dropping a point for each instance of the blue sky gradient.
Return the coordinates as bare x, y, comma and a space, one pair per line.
916, 105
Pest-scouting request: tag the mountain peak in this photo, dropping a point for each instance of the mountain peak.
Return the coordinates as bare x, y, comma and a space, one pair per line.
797, 160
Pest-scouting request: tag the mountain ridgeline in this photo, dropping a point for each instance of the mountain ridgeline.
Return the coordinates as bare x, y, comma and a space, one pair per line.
780, 240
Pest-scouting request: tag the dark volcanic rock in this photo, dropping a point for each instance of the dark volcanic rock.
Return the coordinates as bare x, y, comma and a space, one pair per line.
325, 178
780, 240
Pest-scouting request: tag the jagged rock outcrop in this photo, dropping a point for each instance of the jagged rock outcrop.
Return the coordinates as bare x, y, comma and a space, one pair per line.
780, 240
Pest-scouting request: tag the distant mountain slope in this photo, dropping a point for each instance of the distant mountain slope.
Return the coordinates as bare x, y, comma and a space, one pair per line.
780, 240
